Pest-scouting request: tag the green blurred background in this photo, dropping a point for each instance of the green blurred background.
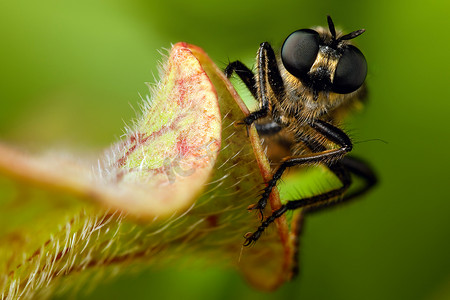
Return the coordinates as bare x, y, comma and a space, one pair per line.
71, 69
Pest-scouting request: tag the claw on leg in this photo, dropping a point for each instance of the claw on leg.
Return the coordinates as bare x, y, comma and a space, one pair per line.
259, 208
251, 238
243, 122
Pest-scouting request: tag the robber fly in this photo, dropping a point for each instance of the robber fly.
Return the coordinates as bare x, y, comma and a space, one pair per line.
302, 94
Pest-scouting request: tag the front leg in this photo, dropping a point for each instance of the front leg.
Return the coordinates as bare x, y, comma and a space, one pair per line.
244, 73
267, 76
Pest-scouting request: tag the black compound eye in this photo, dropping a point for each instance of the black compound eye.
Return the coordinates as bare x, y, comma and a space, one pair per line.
299, 51
350, 72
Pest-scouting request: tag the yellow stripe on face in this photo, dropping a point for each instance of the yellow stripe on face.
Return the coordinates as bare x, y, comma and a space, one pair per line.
325, 61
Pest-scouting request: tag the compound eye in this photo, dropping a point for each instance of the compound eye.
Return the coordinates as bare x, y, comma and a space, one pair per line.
299, 51
350, 72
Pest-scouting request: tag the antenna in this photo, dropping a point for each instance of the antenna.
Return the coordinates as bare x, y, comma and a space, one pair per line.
348, 36
331, 26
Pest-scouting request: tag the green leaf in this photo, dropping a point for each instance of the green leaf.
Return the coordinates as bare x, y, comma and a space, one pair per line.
177, 186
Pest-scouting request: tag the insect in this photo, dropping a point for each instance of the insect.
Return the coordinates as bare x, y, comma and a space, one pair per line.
303, 93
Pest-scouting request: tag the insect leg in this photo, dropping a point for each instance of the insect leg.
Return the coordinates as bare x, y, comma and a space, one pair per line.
330, 132
292, 205
354, 166
361, 169
317, 200
268, 74
342, 169
244, 73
